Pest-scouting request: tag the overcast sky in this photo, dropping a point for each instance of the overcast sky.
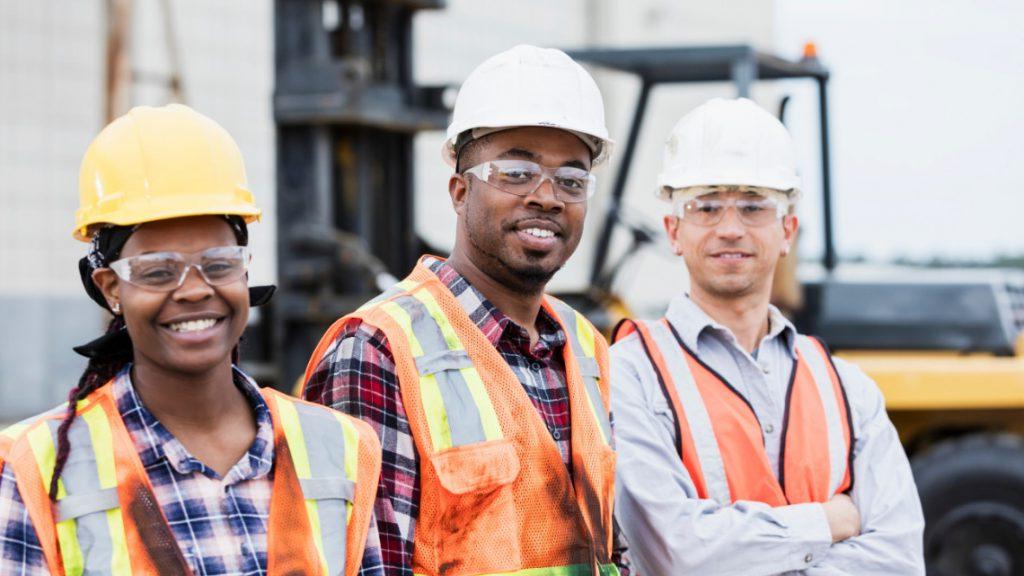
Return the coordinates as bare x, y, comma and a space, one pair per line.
927, 120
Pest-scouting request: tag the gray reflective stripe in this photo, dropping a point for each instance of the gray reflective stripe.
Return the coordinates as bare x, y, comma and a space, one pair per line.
394, 290
695, 412
77, 505
588, 367
325, 447
81, 479
837, 453
328, 488
442, 360
444, 364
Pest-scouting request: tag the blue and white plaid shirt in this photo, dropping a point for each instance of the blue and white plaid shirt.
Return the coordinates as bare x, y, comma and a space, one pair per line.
219, 523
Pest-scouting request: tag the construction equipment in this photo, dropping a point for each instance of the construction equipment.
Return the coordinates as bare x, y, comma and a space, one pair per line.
346, 111
945, 347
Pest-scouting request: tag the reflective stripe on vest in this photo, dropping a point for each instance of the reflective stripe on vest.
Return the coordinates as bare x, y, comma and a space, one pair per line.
86, 532
495, 494
581, 342
323, 449
456, 404
720, 439
90, 523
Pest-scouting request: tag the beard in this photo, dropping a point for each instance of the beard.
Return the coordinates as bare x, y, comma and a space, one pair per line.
528, 274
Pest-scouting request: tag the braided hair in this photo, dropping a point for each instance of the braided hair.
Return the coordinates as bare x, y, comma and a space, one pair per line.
110, 353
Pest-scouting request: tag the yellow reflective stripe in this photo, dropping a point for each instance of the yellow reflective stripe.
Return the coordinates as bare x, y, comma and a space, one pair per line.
40, 440
403, 286
586, 338
71, 554
572, 570
585, 335
300, 460
489, 419
437, 416
14, 430
450, 337
399, 315
351, 455
103, 447
313, 512
433, 404
120, 560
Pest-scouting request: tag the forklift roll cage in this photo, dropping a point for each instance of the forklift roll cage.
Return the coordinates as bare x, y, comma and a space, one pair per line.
740, 64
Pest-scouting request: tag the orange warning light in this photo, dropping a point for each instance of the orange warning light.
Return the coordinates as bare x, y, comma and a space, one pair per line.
810, 50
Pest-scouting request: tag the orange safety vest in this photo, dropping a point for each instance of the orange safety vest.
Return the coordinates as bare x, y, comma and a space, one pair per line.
495, 495
719, 437
107, 519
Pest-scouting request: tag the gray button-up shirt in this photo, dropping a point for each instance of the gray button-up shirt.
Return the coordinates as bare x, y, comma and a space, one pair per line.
672, 531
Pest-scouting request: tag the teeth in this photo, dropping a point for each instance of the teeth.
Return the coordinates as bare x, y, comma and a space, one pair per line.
539, 233
731, 256
193, 325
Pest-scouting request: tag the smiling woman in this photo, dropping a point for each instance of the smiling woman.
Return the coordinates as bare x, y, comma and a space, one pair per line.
163, 425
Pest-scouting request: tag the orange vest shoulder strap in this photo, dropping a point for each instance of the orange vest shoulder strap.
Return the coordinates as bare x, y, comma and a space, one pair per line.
317, 450
418, 275
144, 539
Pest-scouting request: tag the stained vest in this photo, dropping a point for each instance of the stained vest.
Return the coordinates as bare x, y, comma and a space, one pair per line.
718, 435
106, 518
495, 495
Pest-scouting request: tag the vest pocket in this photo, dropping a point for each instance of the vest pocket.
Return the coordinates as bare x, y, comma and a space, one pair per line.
477, 518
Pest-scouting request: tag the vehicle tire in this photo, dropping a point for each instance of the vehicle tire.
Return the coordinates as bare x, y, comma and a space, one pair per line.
972, 491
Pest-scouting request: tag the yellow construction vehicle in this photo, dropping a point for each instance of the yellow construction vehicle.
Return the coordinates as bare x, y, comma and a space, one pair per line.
945, 346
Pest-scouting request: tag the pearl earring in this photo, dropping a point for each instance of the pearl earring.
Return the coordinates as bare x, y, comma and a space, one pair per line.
116, 308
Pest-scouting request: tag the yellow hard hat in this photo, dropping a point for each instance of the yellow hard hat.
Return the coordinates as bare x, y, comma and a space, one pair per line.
159, 163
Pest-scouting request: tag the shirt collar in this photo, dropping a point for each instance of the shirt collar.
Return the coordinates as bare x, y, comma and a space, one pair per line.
491, 321
691, 322
154, 442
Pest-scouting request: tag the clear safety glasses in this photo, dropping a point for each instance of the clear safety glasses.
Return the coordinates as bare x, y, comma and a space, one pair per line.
166, 271
522, 178
754, 208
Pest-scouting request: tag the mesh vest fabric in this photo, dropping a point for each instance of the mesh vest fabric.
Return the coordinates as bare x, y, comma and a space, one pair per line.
106, 518
719, 437
495, 496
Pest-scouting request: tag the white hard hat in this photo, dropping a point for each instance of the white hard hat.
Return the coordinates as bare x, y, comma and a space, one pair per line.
731, 142
530, 86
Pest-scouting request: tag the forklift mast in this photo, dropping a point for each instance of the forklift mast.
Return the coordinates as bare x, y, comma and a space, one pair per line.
346, 111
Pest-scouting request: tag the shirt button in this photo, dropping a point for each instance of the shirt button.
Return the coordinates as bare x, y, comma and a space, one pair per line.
765, 368
535, 366
769, 428
808, 558
556, 434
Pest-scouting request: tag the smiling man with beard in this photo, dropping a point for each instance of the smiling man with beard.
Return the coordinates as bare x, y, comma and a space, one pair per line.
490, 398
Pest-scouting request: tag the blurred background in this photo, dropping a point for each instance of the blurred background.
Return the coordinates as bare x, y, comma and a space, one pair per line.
910, 253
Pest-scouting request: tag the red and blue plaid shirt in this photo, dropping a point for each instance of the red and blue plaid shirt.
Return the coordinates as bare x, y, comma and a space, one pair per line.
357, 376
219, 523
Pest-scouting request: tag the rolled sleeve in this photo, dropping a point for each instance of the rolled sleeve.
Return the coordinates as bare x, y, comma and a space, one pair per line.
669, 528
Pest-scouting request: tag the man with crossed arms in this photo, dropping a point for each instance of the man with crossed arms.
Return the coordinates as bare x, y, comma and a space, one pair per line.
744, 447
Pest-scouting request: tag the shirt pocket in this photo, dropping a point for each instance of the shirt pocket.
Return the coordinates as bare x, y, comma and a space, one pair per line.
478, 522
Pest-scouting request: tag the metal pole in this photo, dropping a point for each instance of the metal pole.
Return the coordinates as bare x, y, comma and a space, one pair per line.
826, 178
608, 226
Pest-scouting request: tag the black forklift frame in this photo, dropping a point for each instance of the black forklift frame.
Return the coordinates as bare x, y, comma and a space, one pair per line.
740, 64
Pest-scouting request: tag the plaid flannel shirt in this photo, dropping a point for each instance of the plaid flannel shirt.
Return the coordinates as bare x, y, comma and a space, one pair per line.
219, 523
357, 376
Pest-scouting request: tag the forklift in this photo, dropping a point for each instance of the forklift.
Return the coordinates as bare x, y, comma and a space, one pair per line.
946, 347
